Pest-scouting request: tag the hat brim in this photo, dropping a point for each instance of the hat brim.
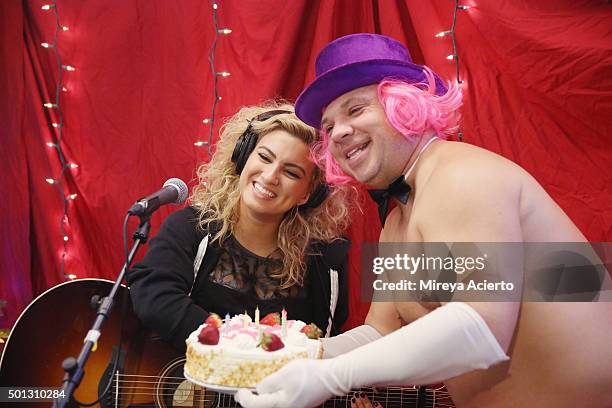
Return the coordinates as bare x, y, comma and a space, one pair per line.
336, 82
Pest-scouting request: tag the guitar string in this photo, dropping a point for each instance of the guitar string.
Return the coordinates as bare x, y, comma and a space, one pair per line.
380, 397
389, 394
344, 399
172, 390
134, 385
221, 401
226, 402
180, 380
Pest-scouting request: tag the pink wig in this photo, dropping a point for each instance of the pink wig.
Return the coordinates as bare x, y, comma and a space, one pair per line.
412, 109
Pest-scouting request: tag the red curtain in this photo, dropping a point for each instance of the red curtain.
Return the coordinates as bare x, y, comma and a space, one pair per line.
538, 85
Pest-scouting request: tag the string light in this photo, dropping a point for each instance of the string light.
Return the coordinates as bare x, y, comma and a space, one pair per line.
216, 74
455, 55
442, 34
59, 124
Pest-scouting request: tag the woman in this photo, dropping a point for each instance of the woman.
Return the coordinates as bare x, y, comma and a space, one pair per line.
262, 231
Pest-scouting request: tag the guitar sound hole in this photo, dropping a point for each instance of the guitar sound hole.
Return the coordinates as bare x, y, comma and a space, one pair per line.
175, 391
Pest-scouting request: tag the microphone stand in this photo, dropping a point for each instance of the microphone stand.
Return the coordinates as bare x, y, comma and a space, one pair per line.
75, 368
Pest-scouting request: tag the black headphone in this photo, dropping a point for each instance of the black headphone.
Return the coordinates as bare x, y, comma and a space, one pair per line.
246, 144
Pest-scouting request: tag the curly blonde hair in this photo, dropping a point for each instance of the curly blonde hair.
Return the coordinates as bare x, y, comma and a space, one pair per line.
217, 195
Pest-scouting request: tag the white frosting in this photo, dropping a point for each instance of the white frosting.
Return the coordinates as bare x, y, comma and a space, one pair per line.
243, 342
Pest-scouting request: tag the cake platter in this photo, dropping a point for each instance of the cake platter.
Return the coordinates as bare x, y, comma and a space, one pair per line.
223, 389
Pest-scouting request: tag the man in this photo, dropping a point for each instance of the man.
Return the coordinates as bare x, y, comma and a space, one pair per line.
384, 119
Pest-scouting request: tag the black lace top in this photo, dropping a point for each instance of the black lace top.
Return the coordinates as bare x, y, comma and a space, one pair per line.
242, 270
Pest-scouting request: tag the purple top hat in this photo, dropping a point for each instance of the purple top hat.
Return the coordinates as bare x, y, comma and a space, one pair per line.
351, 62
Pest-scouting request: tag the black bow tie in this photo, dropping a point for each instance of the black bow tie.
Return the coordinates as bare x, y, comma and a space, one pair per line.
399, 189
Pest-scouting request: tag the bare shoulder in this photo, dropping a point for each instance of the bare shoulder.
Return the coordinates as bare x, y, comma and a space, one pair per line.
464, 192
460, 166
469, 176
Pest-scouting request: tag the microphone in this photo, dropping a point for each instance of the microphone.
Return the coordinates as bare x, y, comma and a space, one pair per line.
174, 191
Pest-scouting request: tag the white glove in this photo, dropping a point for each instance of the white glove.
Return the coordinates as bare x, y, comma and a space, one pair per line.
449, 341
301, 383
350, 340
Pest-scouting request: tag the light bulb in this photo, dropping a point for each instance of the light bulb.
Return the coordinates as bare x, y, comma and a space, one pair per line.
442, 34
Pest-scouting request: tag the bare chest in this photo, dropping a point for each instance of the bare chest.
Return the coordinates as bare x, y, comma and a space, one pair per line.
401, 225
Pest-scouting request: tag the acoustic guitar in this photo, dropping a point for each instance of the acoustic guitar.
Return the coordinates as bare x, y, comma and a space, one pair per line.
149, 373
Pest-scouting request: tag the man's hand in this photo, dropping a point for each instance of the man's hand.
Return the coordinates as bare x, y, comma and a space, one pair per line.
301, 383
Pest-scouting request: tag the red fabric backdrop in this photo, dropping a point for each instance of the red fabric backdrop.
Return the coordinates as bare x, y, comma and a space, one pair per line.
538, 91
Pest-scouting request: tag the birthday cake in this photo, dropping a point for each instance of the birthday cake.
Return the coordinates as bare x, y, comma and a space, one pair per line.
240, 352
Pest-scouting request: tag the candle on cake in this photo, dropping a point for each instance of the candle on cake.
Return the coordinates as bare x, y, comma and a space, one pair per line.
257, 315
284, 323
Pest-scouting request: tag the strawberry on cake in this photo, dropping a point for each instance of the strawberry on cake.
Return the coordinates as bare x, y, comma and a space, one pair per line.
240, 353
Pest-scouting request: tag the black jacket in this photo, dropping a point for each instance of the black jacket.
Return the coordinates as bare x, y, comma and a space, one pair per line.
167, 300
